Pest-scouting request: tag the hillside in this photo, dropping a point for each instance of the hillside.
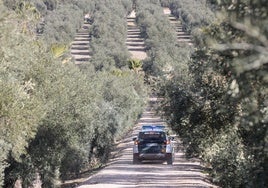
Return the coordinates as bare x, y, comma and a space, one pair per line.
71, 89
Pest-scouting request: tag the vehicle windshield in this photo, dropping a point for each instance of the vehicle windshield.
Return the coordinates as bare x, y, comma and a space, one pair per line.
152, 135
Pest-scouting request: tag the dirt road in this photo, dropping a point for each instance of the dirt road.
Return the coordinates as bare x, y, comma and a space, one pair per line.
120, 172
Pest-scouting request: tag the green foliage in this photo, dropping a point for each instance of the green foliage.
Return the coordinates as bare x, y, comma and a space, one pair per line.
58, 50
228, 158
237, 49
128, 5
109, 32
21, 106
222, 114
194, 15
167, 58
56, 119
12, 4
60, 25
62, 130
134, 64
165, 3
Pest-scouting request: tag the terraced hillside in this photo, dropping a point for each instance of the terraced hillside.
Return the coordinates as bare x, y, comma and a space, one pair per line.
80, 46
182, 36
70, 91
80, 49
135, 42
120, 170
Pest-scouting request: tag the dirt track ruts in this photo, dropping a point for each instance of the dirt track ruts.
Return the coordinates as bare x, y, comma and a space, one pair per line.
120, 172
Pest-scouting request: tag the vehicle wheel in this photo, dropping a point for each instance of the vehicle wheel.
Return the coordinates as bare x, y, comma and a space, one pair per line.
170, 160
135, 159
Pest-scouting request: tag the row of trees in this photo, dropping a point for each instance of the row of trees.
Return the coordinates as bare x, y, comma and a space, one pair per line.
221, 114
56, 21
109, 32
194, 16
166, 56
56, 119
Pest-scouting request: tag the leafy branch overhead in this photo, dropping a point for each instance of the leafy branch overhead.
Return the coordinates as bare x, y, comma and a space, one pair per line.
222, 115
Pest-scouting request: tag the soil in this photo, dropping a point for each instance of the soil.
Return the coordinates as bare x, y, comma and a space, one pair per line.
121, 172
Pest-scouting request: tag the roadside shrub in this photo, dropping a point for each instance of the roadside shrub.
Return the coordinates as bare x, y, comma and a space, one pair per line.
21, 106
227, 158
221, 115
63, 112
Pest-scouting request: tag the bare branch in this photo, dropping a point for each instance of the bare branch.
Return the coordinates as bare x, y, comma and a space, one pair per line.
241, 46
250, 31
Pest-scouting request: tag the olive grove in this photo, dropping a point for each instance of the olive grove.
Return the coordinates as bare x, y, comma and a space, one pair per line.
58, 120
222, 114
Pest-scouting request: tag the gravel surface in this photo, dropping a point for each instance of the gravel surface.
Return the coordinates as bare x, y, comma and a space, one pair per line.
120, 172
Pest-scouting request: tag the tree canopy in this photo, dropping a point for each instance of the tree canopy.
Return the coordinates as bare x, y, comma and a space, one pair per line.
222, 113
58, 119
